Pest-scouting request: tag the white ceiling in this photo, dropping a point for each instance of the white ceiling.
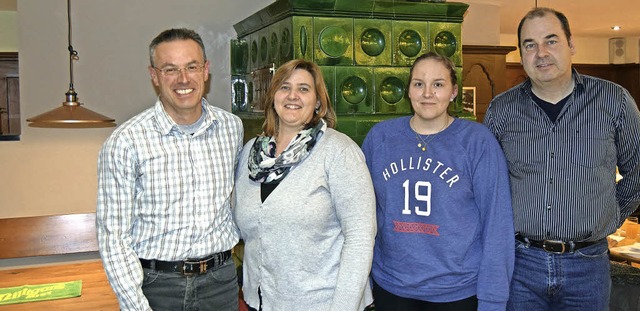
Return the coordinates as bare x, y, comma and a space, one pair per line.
588, 18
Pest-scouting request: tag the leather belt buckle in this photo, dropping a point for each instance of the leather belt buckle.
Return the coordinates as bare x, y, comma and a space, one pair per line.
194, 268
553, 246
187, 269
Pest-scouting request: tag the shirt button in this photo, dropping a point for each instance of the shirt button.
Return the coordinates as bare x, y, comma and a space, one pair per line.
548, 207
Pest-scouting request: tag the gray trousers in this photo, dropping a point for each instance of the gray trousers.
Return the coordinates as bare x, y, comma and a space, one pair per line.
216, 290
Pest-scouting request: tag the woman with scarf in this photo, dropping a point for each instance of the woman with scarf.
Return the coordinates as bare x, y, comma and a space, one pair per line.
304, 203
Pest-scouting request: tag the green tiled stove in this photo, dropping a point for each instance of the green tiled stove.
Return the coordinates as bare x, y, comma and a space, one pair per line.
364, 47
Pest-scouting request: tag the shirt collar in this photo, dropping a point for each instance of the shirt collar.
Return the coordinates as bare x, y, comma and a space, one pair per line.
577, 79
166, 125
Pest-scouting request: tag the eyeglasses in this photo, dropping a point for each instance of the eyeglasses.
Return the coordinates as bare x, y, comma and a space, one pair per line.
172, 71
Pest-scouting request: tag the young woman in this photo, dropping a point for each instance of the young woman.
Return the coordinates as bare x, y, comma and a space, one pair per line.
445, 228
304, 203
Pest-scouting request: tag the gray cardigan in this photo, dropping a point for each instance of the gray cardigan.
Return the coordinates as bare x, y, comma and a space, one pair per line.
309, 246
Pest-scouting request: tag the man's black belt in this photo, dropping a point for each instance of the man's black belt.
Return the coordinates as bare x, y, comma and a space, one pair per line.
189, 266
555, 246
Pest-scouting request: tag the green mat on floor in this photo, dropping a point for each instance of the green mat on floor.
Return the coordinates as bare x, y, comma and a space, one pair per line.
31, 293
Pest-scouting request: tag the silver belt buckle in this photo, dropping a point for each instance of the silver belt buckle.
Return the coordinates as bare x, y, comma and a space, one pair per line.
549, 247
190, 272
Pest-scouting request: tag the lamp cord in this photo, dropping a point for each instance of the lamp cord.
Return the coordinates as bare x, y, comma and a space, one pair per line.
73, 54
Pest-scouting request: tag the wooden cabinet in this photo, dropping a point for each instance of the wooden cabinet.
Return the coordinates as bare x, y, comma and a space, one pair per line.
483, 67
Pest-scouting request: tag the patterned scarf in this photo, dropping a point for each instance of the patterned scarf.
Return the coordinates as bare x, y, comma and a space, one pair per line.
266, 168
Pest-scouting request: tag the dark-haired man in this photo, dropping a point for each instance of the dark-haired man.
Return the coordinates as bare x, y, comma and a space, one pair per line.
563, 134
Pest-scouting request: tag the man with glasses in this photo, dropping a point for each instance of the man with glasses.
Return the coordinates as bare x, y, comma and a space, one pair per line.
165, 178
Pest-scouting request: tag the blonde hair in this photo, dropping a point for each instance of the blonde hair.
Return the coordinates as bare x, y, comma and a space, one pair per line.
325, 110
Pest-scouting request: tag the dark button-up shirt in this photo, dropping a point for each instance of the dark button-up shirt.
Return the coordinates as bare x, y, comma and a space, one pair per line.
563, 173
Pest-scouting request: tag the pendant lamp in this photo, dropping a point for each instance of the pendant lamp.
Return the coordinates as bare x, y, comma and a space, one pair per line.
71, 114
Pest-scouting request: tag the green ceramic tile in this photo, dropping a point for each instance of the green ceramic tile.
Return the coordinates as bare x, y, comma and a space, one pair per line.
279, 43
253, 97
263, 49
250, 93
302, 32
446, 40
311, 4
253, 41
273, 44
355, 6
258, 49
390, 90
329, 74
410, 40
354, 89
372, 42
347, 126
285, 41
239, 56
425, 10
334, 38
365, 125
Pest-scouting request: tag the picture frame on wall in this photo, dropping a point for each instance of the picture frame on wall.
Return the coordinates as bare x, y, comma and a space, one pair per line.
469, 99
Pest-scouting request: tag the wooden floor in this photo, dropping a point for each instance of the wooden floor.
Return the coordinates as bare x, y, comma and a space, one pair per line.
96, 292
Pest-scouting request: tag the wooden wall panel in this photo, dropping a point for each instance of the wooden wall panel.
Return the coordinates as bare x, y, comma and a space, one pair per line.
483, 67
9, 96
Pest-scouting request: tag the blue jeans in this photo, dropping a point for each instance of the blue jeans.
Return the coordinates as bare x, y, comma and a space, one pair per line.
570, 281
217, 290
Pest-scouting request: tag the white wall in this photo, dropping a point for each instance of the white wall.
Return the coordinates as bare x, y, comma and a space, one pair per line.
53, 171
8, 33
481, 25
